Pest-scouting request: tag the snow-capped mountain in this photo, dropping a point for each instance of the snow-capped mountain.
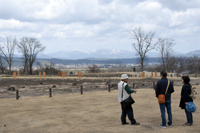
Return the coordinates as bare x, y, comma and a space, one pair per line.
194, 53
102, 53
105, 53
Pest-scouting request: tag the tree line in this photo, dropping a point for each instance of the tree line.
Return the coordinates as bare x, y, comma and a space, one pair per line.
143, 42
29, 47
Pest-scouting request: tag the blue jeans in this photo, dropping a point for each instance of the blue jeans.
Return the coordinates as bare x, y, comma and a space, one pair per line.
167, 104
189, 116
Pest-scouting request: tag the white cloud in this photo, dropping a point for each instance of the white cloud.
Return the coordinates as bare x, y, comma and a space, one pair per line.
92, 24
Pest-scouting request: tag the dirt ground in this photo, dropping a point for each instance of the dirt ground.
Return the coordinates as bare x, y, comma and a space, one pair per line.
33, 87
92, 112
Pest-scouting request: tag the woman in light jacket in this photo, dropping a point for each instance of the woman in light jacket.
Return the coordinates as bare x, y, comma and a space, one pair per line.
185, 98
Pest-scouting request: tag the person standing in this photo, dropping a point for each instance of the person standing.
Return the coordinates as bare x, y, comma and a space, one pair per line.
123, 86
185, 98
161, 89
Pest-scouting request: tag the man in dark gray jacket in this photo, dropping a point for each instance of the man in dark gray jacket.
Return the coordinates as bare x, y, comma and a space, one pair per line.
161, 89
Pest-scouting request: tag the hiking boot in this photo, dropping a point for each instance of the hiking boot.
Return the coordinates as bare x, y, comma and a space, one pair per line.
135, 123
125, 123
163, 126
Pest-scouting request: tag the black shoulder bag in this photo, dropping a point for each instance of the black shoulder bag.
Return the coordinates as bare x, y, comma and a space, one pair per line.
129, 101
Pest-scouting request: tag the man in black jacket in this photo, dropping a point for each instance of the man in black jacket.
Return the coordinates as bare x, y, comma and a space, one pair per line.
161, 89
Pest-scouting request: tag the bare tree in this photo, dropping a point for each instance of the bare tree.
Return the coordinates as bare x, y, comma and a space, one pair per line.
165, 47
93, 69
1, 65
172, 64
7, 49
193, 64
30, 47
181, 64
23, 48
143, 43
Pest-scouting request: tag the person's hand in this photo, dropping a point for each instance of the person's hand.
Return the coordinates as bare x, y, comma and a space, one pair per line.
186, 103
135, 90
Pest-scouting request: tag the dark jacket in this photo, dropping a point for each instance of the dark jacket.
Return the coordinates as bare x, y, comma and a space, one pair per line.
161, 87
186, 91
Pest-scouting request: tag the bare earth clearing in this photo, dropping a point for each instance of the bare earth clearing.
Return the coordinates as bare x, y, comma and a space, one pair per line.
92, 112
32, 86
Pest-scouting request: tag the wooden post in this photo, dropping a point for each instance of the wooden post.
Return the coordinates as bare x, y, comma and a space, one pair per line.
152, 74
143, 74
154, 85
18, 74
44, 74
108, 87
14, 74
63, 74
40, 74
133, 85
50, 92
60, 74
17, 94
80, 75
81, 89
155, 73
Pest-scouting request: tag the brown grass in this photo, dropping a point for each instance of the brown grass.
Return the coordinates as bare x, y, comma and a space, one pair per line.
92, 112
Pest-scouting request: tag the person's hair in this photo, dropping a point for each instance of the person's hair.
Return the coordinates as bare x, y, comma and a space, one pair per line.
186, 79
163, 73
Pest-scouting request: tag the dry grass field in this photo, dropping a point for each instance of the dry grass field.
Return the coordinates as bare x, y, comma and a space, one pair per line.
92, 112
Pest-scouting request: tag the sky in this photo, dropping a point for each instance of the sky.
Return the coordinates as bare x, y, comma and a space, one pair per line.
86, 25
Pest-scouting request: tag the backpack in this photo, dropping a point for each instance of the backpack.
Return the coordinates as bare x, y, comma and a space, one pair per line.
193, 93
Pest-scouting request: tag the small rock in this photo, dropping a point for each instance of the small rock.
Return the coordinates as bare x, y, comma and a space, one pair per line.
54, 86
12, 88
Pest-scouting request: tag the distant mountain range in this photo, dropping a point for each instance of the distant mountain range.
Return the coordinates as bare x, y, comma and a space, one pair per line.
97, 57
105, 53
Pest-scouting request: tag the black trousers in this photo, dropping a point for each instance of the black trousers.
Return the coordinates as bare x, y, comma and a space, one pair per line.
129, 111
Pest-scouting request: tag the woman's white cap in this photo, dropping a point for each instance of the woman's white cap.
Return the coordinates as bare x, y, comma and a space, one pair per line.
124, 76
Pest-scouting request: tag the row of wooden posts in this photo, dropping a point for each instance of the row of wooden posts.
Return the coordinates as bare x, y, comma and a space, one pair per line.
60, 74
63, 74
50, 91
81, 89
18, 74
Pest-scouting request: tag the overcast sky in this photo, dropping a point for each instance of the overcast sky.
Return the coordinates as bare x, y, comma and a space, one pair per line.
101, 24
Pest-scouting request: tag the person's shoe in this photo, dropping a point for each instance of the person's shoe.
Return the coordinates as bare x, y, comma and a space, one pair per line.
162, 126
187, 124
135, 123
169, 125
125, 123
